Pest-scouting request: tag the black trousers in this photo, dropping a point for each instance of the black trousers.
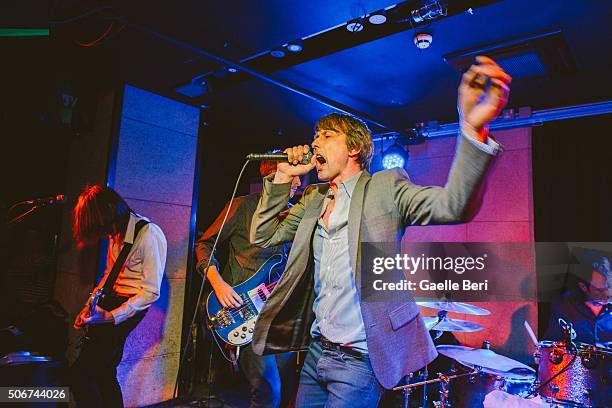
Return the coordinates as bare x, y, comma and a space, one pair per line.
94, 373
272, 378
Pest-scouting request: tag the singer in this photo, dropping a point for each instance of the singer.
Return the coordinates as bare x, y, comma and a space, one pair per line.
317, 304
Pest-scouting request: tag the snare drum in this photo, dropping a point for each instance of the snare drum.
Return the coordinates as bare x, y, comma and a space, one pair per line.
584, 374
470, 391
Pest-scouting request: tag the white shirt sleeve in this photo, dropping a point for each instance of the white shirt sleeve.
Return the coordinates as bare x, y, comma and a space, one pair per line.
154, 250
491, 146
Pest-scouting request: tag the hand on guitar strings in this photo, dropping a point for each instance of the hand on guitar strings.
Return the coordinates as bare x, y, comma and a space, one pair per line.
227, 296
100, 316
79, 321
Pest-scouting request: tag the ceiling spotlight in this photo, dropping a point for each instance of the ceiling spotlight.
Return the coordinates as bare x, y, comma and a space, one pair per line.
394, 156
430, 10
278, 53
378, 17
422, 40
295, 46
354, 26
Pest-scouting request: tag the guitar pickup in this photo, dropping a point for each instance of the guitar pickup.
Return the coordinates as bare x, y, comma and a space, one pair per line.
246, 311
258, 296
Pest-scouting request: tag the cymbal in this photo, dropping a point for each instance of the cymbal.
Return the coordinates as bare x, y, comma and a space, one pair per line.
451, 325
488, 360
457, 307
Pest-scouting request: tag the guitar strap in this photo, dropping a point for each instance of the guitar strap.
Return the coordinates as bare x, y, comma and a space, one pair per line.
127, 247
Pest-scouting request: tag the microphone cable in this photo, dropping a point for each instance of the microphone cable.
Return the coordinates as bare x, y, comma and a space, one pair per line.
185, 346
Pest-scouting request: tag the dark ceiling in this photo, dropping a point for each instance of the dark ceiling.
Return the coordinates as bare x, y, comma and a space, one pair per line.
386, 78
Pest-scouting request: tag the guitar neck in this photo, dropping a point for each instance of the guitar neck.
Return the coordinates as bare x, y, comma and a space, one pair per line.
94, 298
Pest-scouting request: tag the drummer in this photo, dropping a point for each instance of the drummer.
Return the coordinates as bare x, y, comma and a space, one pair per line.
587, 307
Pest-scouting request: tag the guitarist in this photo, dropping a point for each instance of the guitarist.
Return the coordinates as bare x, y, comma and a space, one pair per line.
263, 372
138, 247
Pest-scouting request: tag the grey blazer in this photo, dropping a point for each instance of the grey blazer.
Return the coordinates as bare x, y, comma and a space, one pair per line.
381, 207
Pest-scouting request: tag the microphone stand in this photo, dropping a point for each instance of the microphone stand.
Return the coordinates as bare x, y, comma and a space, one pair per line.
23, 216
36, 204
568, 334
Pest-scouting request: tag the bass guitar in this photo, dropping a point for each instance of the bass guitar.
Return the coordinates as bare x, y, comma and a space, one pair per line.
235, 325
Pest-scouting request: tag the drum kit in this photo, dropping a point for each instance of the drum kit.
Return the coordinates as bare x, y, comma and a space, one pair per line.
574, 374
569, 374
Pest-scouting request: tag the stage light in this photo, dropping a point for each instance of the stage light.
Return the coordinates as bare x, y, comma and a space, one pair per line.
295, 46
354, 26
278, 53
394, 156
378, 17
231, 70
430, 10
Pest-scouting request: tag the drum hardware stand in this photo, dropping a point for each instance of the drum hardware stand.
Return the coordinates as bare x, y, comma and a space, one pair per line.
441, 316
568, 334
407, 389
425, 375
407, 392
444, 380
438, 333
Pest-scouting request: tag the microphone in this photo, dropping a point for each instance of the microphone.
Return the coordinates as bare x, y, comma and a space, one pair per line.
277, 156
51, 200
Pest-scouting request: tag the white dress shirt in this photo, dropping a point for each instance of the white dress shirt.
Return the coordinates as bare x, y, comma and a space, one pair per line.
141, 275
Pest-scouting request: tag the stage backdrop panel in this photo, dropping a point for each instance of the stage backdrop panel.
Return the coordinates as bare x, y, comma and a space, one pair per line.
506, 215
152, 167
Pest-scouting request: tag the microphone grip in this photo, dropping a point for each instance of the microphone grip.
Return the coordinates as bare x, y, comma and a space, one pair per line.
277, 156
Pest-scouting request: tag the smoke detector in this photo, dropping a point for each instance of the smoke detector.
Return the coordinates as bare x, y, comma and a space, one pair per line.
422, 40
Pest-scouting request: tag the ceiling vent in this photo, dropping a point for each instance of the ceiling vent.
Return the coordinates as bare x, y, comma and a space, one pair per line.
540, 55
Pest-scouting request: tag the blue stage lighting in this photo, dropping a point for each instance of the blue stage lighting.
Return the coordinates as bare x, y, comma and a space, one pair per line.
394, 156
295, 46
379, 17
278, 53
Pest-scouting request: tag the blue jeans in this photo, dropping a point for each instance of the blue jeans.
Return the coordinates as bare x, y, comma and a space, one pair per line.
334, 379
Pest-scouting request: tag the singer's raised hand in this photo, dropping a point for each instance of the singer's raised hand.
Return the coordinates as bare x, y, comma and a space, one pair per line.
483, 93
285, 172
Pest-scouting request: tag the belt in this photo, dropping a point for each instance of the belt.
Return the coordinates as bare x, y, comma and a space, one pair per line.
330, 345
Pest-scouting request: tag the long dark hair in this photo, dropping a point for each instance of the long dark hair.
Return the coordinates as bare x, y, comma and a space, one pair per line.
100, 211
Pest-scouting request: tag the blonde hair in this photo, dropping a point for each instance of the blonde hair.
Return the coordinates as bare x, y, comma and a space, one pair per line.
358, 135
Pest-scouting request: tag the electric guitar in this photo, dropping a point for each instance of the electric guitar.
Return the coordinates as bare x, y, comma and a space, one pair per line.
94, 299
233, 325
91, 304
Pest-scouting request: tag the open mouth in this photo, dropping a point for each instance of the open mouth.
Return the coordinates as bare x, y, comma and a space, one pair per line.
320, 159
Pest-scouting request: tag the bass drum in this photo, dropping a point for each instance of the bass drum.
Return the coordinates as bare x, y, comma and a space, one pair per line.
470, 391
580, 377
